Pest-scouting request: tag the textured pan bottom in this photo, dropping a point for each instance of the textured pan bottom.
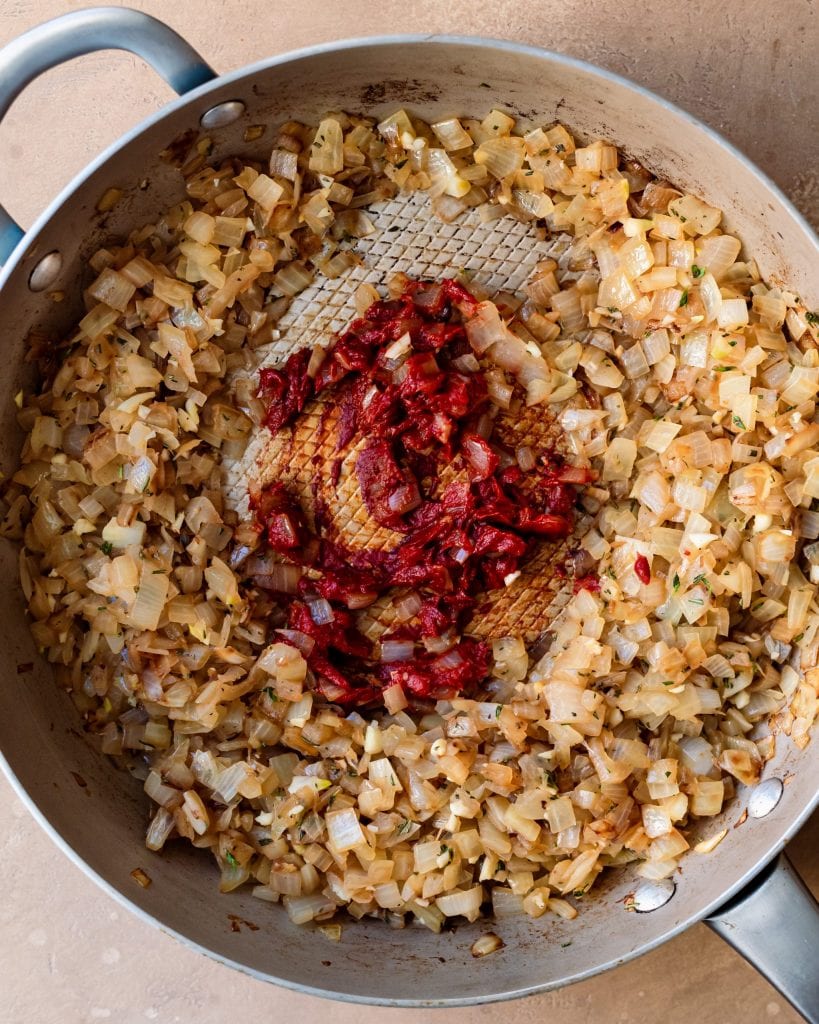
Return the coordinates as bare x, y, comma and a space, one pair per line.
498, 257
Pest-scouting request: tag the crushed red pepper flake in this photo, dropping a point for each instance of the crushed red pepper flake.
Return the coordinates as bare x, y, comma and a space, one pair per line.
642, 569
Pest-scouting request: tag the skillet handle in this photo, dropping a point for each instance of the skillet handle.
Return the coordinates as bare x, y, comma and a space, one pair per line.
81, 32
774, 924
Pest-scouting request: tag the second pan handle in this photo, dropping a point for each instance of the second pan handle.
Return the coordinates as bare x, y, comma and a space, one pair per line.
774, 924
81, 32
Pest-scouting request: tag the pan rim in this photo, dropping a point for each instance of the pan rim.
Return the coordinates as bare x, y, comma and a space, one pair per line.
191, 98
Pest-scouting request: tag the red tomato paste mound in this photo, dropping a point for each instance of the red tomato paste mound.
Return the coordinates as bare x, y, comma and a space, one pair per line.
398, 373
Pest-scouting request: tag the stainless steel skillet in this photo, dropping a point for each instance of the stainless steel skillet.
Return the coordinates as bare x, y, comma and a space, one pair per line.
101, 824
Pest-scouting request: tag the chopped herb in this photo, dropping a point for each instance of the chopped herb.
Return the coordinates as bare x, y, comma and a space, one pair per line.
675, 583
107, 547
501, 866
697, 271
684, 298
668, 682
703, 579
695, 600
668, 775
157, 572
231, 859
498, 710
563, 945
560, 148
723, 369
738, 423
265, 842
812, 318
405, 826
271, 693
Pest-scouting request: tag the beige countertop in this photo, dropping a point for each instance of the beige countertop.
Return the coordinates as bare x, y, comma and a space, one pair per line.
68, 953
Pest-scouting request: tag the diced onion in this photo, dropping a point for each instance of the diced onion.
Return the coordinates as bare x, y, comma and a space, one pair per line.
502, 157
526, 458
485, 327
303, 909
711, 297
486, 944
123, 536
394, 698
343, 829
397, 650
465, 903
404, 499
303, 643
327, 150
452, 135
280, 577
321, 611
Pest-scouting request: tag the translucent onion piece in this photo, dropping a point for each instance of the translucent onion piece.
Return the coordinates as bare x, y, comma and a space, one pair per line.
485, 328
344, 830
452, 134
321, 611
397, 650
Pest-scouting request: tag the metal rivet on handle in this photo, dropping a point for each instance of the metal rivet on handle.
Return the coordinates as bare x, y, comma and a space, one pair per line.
46, 272
652, 895
222, 114
765, 797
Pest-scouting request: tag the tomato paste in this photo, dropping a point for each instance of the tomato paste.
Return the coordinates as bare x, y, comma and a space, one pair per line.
398, 373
